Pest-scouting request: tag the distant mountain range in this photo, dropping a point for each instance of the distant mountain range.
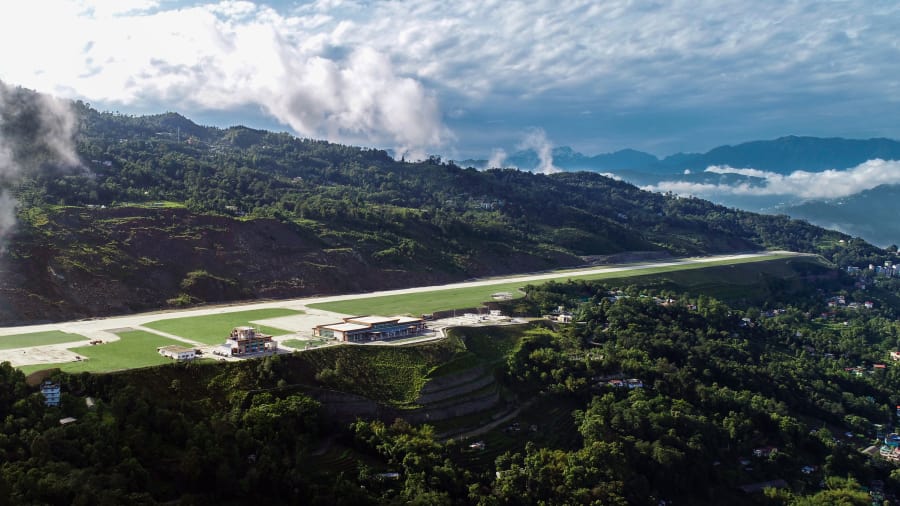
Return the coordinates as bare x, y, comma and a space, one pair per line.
783, 155
869, 214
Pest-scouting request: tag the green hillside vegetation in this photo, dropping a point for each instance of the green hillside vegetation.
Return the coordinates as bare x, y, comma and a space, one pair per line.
719, 381
301, 344
389, 374
458, 298
163, 212
215, 328
766, 284
38, 339
471, 297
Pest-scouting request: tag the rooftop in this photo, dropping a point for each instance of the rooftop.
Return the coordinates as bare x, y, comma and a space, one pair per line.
345, 327
174, 348
372, 320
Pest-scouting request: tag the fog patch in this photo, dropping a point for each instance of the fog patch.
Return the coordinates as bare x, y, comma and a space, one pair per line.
36, 132
536, 139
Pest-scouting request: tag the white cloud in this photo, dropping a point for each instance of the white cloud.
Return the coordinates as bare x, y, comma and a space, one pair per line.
380, 71
497, 159
29, 124
536, 139
233, 54
103, 8
724, 169
827, 184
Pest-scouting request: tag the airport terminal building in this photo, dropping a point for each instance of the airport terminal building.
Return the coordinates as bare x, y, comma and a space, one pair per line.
361, 329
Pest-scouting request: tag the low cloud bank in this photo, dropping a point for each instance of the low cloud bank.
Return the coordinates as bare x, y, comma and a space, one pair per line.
827, 184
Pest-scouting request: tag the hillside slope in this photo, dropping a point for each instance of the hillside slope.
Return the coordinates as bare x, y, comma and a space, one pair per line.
162, 211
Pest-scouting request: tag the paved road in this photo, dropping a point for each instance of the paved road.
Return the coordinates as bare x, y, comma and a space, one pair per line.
99, 327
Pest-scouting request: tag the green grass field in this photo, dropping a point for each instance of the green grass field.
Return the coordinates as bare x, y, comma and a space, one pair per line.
458, 298
38, 339
299, 344
136, 349
214, 329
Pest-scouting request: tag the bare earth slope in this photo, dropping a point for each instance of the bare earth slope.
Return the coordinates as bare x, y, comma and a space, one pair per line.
95, 262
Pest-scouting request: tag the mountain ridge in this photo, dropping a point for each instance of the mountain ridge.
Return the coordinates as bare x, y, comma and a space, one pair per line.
165, 212
781, 155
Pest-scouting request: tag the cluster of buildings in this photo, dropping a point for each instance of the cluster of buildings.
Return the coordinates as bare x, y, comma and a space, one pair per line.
630, 383
889, 269
52, 393
841, 301
890, 449
616, 381
559, 315
248, 341
242, 341
861, 370
361, 329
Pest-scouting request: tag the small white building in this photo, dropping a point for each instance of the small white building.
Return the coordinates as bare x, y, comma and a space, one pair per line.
177, 352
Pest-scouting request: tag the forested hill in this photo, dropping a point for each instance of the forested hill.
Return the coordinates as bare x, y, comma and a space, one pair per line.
161, 211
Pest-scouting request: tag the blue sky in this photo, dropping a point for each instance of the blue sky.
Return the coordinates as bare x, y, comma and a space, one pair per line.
465, 78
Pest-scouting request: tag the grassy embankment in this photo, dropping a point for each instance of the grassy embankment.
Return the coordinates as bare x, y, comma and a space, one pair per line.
213, 329
739, 284
299, 344
135, 349
395, 375
38, 339
456, 298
